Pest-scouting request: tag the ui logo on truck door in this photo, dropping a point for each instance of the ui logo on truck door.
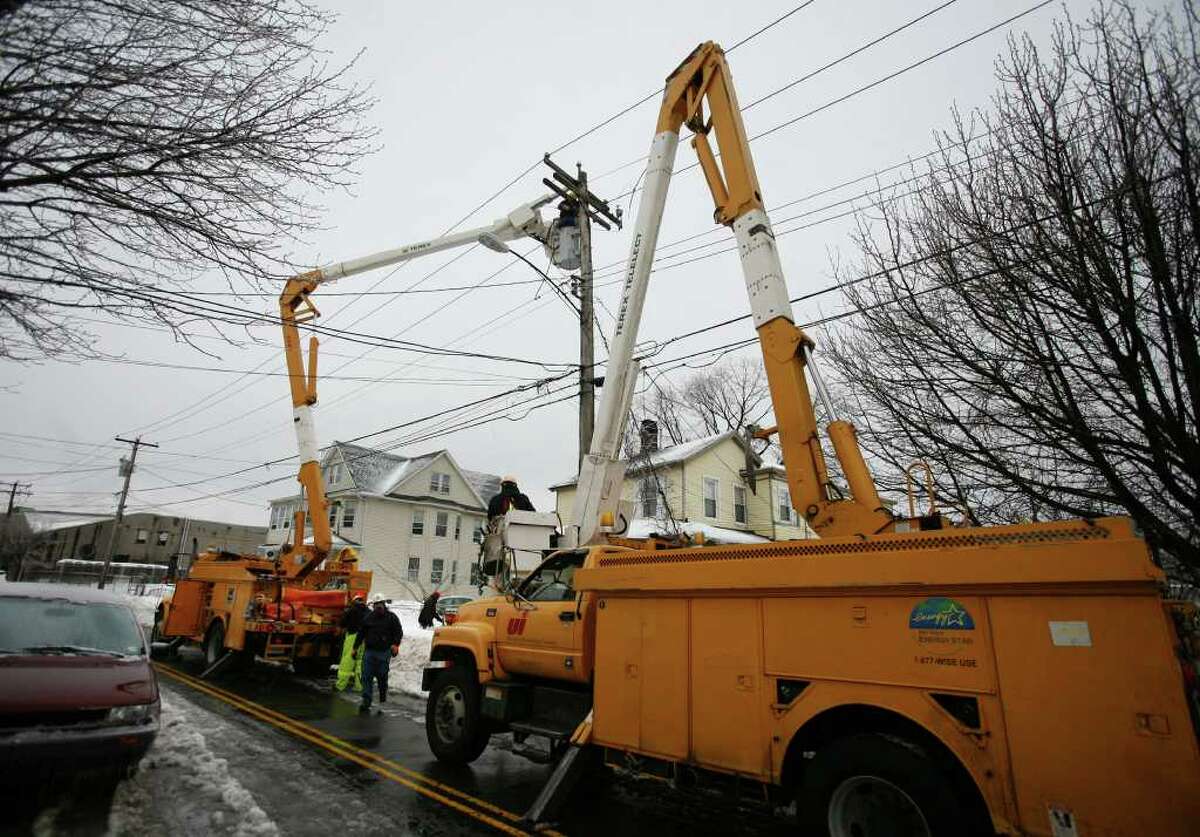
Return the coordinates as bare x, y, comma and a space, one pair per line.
944, 631
516, 625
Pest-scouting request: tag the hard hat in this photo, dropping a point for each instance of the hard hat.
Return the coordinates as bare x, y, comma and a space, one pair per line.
379, 598
358, 597
509, 478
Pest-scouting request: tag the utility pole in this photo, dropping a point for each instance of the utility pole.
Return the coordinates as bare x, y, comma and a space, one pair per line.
587, 208
127, 466
15, 488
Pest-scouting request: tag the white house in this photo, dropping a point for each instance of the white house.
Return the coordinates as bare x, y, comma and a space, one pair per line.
415, 521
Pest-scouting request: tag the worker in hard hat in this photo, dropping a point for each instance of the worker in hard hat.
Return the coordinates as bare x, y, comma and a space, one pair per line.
349, 673
378, 641
510, 497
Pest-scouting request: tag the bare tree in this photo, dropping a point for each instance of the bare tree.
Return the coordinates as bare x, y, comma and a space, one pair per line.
143, 142
1032, 328
725, 397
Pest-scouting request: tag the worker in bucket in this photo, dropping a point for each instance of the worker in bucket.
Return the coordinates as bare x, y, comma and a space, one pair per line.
349, 669
510, 497
378, 641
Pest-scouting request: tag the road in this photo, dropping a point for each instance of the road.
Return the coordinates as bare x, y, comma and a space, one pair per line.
265, 753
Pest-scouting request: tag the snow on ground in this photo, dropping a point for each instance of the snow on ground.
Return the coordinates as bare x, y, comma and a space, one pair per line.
405, 672
182, 773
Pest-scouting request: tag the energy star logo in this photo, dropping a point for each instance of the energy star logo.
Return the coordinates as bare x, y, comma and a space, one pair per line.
940, 613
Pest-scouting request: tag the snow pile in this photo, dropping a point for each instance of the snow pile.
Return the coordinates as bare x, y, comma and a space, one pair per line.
216, 802
404, 674
143, 606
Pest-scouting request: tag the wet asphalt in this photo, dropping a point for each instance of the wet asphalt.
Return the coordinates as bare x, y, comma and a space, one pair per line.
396, 731
306, 790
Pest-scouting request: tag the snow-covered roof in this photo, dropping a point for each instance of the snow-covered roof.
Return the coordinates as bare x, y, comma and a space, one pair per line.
42, 522
380, 472
665, 457
644, 527
485, 485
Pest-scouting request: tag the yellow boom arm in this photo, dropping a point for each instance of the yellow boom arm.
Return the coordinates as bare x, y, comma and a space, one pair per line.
787, 351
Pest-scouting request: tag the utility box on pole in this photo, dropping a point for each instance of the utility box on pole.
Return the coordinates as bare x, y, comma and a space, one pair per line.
587, 208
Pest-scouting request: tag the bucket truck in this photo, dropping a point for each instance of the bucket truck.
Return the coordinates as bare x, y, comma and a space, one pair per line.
283, 603
894, 676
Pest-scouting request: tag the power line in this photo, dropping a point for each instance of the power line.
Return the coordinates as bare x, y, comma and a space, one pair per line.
858, 90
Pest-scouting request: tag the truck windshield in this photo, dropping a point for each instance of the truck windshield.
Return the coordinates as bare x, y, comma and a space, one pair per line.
57, 626
553, 581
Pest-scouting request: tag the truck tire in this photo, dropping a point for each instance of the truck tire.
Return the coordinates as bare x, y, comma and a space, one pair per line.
453, 725
875, 785
214, 643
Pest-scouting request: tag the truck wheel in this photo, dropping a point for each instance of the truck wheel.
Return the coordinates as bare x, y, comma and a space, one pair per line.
214, 643
878, 786
452, 724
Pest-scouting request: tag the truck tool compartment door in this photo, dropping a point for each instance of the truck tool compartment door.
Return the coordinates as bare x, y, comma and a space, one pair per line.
187, 608
539, 631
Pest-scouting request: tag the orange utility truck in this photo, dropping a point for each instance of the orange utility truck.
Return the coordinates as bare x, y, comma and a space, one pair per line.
898, 676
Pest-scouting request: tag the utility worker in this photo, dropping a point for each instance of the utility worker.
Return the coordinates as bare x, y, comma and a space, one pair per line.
349, 669
380, 634
510, 497
429, 611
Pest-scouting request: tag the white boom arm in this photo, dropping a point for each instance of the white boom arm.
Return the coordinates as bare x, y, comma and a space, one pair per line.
601, 474
522, 221
296, 308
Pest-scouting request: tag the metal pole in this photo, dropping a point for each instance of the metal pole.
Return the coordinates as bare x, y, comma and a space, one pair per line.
112, 536
587, 351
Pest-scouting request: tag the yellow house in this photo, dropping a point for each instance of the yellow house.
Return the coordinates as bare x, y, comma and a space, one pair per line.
702, 486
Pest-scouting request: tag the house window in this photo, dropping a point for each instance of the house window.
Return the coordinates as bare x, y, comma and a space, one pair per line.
349, 511
785, 504
162, 538
287, 517
418, 526
453, 572
333, 507
477, 535
457, 526
334, 474
648, 496
276, 516
712, 488
739, 503
414, 568
439, 483
435, 574
441, 524
143, 535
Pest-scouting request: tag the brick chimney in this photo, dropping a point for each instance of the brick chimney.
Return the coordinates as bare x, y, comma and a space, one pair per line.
649, 436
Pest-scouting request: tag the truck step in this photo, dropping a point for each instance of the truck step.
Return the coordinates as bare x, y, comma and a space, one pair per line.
547, 728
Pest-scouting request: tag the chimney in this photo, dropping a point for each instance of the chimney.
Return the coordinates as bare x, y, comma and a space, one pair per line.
649, 436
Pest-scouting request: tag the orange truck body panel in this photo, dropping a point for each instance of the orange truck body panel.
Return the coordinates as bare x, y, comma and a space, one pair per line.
1057, 630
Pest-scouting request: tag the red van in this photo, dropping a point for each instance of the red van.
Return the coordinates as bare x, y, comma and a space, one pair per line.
76, 687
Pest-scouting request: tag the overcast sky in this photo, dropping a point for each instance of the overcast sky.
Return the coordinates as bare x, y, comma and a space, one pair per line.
469, 96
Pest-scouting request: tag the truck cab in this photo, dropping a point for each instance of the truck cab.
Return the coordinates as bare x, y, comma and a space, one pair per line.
520, 662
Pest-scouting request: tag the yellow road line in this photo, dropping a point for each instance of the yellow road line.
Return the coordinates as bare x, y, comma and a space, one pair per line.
285, 720
380, 765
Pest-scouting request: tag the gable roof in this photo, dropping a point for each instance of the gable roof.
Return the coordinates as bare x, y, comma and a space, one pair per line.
380, 472
666, 457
